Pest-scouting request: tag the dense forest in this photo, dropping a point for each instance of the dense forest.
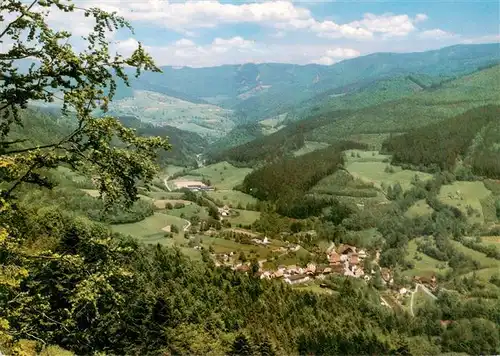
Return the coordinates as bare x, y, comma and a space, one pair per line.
185, 144
286, 181
277, 145
439, 146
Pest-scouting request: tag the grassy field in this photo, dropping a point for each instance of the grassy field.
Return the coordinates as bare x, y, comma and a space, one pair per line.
491, 240
370, 166
222, 175
463, 194
153, 107
225, 246
246, 217
485, 262
420, 208
424, 265
190, 210
341, 183
150, 230
374, 172
310, 146
232, 197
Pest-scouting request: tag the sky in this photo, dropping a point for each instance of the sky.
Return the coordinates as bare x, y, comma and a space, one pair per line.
210, 33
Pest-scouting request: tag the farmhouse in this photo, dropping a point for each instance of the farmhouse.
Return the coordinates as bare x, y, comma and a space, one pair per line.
296, 279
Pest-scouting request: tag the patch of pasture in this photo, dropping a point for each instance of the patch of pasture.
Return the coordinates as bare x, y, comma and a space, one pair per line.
467, 197
92, 192
423, 265
221, 245
189, 210
481, 258
161, 203
341, 183
310, 146
491, 240
378, 173
232, 198
222, 175
244, 217
150, 230
420, 208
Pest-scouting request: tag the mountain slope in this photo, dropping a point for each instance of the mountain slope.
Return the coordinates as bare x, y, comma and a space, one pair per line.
185, 145
204, 119
260, 90
422, 108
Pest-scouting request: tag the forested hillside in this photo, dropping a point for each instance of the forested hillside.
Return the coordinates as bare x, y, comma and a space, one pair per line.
420, 109
440, 145
185, 144
278, 144
286, 181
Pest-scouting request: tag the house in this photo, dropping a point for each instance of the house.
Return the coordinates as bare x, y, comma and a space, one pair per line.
243, 268
353, 259
311, 268
224, 211
278, 274
362, 254
334, 259
327, 270
296, 279
346, 249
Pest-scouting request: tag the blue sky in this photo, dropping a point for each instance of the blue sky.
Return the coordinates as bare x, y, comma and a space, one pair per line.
207, 33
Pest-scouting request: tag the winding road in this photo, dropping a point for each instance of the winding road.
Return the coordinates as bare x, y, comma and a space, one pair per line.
425, 289
165, 181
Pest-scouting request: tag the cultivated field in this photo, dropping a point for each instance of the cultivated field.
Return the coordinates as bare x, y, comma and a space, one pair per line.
464, 194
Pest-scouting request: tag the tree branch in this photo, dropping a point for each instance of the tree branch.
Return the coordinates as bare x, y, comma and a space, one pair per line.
19, 18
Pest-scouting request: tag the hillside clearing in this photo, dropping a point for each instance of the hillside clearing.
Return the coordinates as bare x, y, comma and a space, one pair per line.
423, 265
375, 172
420, 208
222, 175
245, 217
232, 197
310, 146
466, 196
150, 230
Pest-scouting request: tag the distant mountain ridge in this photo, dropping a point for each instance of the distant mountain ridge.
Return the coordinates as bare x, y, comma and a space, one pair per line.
256, 91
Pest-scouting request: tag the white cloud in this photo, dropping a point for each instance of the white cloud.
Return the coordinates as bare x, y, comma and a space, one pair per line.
421, 18
325, 60
237, 42
240, 50
184, 43
342, 53
482, 39
389, 25
203, 14
334, 55
436, 34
